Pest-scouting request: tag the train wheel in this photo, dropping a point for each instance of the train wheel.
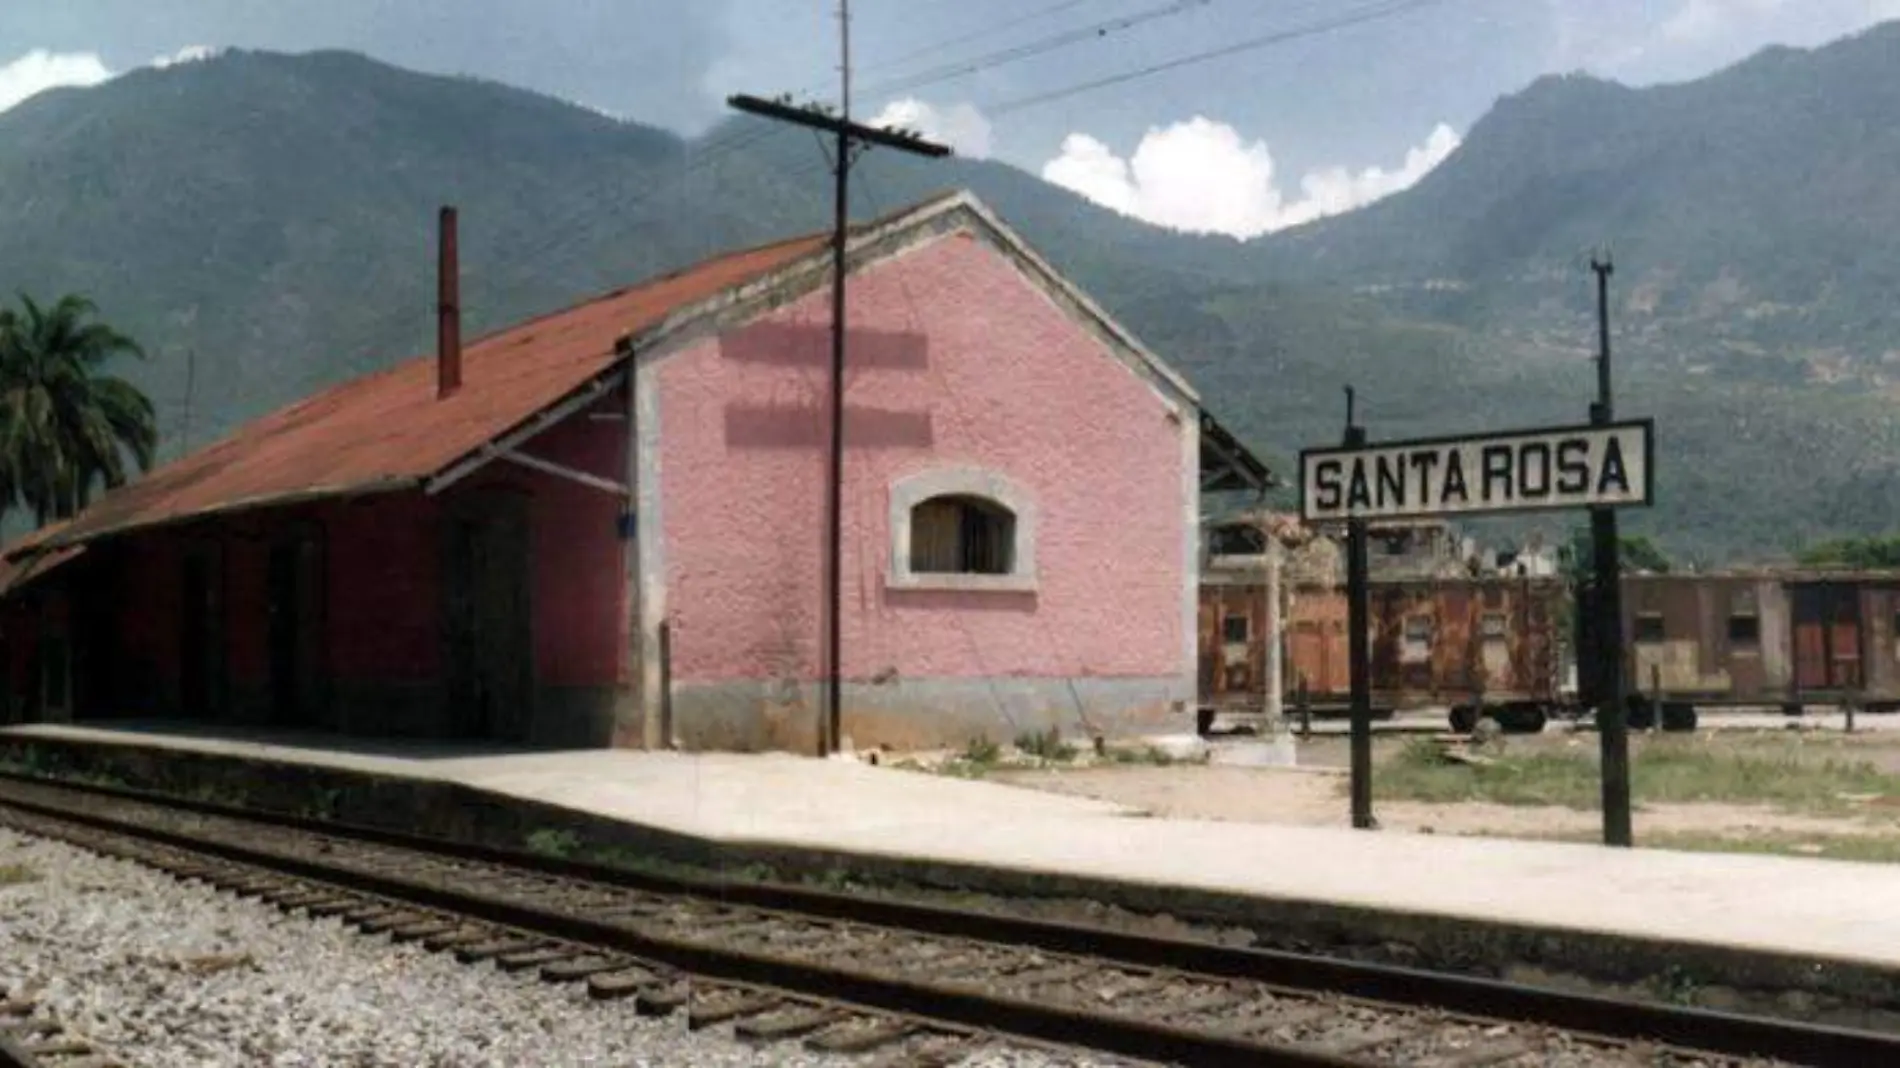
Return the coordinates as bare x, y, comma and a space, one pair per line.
1678, 716
1464, 719
1639, 714
1524, 719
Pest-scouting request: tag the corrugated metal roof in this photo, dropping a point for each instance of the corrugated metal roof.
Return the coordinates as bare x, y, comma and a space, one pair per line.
389, 430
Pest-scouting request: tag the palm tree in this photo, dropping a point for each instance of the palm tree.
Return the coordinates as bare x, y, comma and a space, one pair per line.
64, 426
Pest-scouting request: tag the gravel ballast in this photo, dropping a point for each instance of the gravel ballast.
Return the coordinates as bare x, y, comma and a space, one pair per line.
169, 974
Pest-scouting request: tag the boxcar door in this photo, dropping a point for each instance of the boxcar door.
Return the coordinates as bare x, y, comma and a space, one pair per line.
1810, 638
1843, 637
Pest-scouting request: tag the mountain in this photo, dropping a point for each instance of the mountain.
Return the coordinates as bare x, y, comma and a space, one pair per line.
264, 223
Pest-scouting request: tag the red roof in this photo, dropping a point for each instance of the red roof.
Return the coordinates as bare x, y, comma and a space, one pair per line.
389, 430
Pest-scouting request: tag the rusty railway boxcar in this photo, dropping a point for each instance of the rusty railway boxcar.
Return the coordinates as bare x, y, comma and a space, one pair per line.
1785, 638
1481, 645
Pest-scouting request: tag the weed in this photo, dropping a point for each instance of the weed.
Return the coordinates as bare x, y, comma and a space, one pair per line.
1675, 986
980, 750
552, 843
1145, 755
1046, 745
14, 874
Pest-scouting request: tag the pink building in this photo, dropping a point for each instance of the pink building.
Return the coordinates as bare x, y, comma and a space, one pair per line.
605, 526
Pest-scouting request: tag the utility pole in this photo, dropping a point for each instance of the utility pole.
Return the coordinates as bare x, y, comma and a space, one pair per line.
847, 134
1358, 611
1612, 732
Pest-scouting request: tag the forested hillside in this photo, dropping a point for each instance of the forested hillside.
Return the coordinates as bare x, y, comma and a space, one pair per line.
264, 224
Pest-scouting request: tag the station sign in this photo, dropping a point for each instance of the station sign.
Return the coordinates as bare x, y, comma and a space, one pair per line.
1517, 471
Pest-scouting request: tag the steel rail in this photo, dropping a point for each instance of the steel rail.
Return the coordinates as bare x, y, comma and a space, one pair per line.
1035, 1021
1622, 1020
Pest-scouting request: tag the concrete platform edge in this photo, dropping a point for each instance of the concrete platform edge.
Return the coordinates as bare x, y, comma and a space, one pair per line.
1445, 942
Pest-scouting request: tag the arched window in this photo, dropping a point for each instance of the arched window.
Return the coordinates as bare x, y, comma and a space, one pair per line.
962, 535
962, 528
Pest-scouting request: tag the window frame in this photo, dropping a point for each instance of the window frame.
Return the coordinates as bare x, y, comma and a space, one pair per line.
1227, 628
984, 485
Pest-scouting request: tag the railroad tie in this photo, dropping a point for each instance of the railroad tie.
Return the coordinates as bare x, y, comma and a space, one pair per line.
303, 899
609, 986
480, 951
412, 932
1346, 1046
257, 886
566, 971
459, 936
366, 911
1212, 1001
662, 1000
534, 958
60, 1047
390, 922
794, 1023
719, 1010
1483, 1054
1060, 973
938, 1052
335, 906
853, 1039
1281, 1022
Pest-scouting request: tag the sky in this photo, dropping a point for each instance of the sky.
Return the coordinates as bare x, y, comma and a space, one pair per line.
1320, 105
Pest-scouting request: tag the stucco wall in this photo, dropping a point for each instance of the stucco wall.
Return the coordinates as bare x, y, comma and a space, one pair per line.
956, 361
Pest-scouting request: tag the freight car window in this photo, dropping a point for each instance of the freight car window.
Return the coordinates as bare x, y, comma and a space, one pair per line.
1744, 630
1234, 629
1649, 627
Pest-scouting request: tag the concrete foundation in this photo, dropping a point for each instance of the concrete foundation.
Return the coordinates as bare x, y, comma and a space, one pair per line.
911, 714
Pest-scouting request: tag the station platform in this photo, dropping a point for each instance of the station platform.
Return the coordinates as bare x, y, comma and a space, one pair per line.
1611, 916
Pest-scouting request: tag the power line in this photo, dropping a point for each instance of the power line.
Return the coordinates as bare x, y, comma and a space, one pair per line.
1370, 13
976, 35
1081, 34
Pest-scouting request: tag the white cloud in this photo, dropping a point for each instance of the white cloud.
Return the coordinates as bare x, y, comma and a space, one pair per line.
1199, 176
40, 70
187, 54
960, 126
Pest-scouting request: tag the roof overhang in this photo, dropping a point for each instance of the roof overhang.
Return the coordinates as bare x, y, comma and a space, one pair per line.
1227, 466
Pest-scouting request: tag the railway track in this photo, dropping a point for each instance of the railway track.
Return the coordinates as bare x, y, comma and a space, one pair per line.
898, 983
31, 1037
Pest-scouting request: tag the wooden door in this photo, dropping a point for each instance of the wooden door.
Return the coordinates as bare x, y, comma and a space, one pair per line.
296, 614
487, 625
201, 635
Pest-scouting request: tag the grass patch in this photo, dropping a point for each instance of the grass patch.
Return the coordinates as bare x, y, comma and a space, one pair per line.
1876, 849
15, 874
1667, 770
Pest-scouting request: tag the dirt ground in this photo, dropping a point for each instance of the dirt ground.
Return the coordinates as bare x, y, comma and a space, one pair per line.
1313, 794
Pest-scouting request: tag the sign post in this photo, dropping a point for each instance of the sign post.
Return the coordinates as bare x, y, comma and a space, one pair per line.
1602, 466
1358, 624
1612, 730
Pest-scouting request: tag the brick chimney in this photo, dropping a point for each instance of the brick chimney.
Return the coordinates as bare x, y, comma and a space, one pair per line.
448, 310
